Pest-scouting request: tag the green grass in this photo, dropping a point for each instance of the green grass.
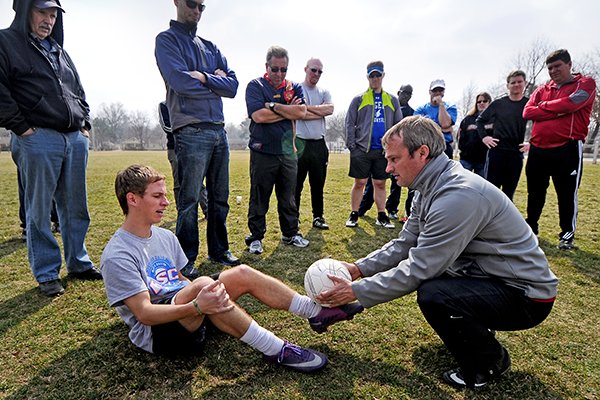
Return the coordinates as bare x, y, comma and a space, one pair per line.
76, 347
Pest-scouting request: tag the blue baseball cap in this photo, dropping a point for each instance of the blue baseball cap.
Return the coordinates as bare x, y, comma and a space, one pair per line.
43, 4
374, 68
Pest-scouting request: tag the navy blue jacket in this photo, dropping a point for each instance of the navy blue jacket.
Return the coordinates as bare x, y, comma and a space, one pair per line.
33, 92
178, 51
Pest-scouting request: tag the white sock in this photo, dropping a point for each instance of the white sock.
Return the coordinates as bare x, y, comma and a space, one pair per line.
304, 306
262, 340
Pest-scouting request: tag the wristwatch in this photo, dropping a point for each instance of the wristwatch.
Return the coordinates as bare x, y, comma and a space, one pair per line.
272, 106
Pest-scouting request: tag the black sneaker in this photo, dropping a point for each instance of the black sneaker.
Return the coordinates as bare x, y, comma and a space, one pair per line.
298, 358
383, 220
226, 259
319, 223
52, 288
352, 220
567, 241
190, 272
91, 274
455, 377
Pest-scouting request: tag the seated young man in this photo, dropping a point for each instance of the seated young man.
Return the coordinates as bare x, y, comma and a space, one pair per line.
167, 313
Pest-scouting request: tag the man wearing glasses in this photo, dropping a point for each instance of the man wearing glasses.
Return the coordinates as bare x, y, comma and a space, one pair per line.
274, 104
440, 112
313, 154
506, 144
197, 77
369, 116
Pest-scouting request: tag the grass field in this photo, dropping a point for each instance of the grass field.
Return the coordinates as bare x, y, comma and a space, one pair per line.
76, 347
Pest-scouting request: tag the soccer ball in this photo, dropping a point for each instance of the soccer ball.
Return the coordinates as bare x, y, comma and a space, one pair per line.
316, 280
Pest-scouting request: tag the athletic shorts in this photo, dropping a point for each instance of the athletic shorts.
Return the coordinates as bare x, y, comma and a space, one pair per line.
368, 164
172, 339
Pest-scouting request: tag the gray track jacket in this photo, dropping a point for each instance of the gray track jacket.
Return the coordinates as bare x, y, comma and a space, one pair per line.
461, 225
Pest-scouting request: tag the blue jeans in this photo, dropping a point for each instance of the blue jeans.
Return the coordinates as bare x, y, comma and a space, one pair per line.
202, 153
53, 165
476, 167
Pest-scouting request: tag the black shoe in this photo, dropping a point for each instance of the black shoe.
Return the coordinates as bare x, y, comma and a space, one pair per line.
226, 259
455, 376
352, 220
23, 235
190, 272
567, 241
55, 227
91, 274
52, 288
319, 222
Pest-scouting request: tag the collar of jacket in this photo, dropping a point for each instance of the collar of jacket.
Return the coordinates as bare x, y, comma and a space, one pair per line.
368, 99
188, 29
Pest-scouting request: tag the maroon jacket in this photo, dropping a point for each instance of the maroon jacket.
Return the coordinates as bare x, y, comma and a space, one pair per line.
561, 114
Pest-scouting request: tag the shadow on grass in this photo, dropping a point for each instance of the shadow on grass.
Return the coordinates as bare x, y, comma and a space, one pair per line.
587, 263
362, 243
18, 308
10, 246
434, 360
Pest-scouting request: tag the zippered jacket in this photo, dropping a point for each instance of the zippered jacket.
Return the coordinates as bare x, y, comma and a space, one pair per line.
561, 113
35, 92
460, 225
178, 51
359, 119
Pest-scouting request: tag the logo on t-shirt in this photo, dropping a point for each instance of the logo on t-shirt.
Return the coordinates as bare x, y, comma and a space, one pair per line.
162, 276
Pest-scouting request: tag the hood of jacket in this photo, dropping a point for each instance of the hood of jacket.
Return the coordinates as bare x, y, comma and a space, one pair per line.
21, 22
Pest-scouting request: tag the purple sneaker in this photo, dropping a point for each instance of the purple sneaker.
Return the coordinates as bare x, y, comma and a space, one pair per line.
298, 358
329, 316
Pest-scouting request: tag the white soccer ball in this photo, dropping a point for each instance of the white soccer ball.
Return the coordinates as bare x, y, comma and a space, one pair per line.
316, 279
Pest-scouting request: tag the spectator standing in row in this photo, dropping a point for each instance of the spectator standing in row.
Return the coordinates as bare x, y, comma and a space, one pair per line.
440, 112
369, 116
472, 150
313, 155
274, 104
393, 200
42, 102
560, 111
197, 76
165, 124
506, 144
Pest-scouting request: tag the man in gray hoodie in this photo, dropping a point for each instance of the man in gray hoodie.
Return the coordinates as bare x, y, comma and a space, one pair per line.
466, 250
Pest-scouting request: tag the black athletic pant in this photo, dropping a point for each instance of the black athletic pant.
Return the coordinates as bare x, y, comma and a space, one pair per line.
313, 157
268, 171
503, 169
464, 312
564, 165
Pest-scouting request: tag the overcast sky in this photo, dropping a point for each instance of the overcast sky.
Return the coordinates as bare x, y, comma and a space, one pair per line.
463, 42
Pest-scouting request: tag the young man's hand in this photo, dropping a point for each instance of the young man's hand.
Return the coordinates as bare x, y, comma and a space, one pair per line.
214, 299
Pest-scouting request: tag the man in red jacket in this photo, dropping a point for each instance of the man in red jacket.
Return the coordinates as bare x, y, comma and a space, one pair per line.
561, 111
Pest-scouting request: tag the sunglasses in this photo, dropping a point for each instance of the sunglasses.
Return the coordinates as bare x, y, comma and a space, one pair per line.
277, 69
374, 75
192, 4
316, 71
482, 101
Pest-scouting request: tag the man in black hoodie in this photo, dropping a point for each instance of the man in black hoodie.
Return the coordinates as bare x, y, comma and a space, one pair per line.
43, 104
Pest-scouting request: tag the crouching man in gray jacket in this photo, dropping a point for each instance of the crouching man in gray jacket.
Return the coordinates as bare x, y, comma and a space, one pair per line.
476, 265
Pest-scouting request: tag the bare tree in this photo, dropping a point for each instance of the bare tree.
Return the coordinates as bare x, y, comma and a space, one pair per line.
533, 61
109, 125
467, 100
336, 126
139, 125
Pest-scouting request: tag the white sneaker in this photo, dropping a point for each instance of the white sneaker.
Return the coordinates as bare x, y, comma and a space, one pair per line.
296, 240
255, 247
384, 221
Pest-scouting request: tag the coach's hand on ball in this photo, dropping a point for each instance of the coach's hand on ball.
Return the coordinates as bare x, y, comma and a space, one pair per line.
340, 294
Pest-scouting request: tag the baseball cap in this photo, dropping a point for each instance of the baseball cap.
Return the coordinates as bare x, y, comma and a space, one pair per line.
437, 83
374, 68
408, 89
43, 4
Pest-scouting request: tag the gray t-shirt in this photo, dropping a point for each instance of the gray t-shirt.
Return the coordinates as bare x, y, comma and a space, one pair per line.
315, 128
132, 265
